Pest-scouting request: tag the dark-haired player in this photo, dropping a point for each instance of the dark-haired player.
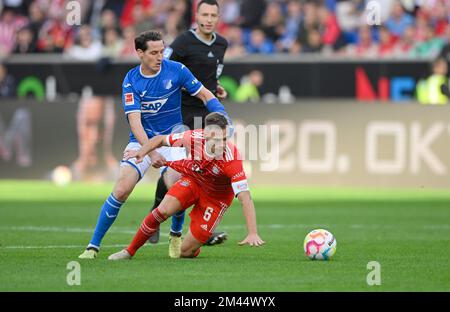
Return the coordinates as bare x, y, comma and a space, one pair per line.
212, 175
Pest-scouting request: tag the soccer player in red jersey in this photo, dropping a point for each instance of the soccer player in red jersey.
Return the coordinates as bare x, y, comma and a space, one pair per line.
212, 176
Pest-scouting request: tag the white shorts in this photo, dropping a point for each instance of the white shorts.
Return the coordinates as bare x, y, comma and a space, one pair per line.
169, 153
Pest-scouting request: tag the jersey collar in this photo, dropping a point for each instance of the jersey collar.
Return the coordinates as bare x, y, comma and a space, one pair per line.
208, 43
150, 76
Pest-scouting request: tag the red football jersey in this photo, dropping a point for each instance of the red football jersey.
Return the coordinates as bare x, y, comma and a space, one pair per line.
217, 177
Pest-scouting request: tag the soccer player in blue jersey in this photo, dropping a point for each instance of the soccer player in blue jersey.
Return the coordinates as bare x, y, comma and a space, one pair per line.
152, 103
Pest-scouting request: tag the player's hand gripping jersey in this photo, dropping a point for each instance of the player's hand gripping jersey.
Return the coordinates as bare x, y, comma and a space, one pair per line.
158, 97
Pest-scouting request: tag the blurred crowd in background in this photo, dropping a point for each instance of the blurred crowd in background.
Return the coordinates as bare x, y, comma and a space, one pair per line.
415, 28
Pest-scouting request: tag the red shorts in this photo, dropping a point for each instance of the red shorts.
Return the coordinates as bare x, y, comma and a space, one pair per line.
207, 212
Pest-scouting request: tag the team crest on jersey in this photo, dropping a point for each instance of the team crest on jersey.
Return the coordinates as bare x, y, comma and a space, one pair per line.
215, 170
196, 168
184, 183
129, 99
153, 106
167, 84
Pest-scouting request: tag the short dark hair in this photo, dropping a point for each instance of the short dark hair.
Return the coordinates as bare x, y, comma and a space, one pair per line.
216, 119
210, 2
140, 42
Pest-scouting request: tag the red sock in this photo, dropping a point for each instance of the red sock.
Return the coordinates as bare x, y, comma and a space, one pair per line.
148, 227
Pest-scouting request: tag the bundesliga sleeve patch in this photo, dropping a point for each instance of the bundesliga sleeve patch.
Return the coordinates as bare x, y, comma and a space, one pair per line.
129, 99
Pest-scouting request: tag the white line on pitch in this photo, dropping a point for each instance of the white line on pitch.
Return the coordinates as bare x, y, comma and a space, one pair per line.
65, 229
71, 246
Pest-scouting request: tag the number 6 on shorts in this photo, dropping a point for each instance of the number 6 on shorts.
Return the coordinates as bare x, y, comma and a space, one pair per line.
208, 214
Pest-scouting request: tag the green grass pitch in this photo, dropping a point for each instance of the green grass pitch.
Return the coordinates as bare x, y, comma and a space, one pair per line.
43, 227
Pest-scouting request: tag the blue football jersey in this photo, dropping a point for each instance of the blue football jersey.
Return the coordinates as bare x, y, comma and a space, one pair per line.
158, 97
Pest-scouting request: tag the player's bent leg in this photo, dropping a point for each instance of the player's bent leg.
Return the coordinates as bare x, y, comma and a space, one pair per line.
151, 223
128, 177
190, 248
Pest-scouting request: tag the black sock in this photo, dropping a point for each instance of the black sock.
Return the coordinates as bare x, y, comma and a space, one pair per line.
175, 234
161, 190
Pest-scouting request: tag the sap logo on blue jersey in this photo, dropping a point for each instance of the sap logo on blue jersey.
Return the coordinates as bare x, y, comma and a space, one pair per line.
153, 106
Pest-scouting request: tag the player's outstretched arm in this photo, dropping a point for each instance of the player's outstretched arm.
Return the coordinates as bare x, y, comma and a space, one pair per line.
248, 207
149, 146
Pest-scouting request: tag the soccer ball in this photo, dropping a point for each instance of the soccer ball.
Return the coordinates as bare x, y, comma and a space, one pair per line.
319, 245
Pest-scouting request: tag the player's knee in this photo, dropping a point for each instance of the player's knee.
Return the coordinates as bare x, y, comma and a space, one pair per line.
186, 254
164, 211
121, 193
189, 252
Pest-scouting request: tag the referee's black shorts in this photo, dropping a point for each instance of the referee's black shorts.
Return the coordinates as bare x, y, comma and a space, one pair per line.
190, 112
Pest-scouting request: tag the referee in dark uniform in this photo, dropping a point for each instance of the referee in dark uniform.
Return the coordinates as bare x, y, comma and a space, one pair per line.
202, 51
